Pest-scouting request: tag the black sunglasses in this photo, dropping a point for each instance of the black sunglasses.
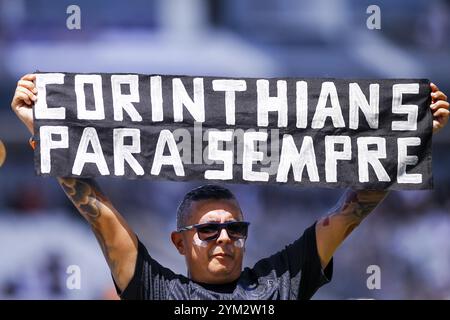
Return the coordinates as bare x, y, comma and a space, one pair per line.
210, 231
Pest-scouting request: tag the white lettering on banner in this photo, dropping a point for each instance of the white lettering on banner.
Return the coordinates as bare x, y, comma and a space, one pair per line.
41, 109
156, 98
398, 90
196, 106
47, 143
372, 157
357, 101
124, 153
265, 103
220, 155
332, 156
229, 87
323, 112
404, 160
291, 158
174, 159
250, 156
90, 137
302, 103
96, 81
327, 131
122, 101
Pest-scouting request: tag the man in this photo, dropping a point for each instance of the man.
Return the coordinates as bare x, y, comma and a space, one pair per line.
211, 234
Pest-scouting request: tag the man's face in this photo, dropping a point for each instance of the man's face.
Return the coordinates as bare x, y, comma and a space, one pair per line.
215, 261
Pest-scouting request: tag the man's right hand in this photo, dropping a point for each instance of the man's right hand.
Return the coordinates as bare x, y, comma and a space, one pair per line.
24, 99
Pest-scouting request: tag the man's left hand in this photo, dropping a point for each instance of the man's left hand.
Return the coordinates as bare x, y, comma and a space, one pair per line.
439, 107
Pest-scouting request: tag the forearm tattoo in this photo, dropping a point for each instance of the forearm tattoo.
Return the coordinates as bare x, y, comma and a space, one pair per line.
355, 205
85, 195
88, 199
359, 207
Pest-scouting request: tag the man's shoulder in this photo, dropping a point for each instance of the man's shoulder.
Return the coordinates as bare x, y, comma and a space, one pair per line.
150, 264
285, 258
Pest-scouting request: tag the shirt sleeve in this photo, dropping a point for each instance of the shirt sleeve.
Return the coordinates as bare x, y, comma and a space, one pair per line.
150, 280
313, 276
296, 268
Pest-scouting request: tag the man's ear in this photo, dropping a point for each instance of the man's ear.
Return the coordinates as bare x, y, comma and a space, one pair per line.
177, 239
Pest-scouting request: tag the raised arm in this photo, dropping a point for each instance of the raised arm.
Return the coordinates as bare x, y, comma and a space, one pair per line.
354, 206
117, 240
348, 213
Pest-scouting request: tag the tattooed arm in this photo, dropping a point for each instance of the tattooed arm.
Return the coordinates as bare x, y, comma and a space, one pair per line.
351, 209
354, 206
117, 240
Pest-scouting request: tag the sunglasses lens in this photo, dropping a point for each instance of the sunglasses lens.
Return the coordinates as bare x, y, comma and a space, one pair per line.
211, 231
208, 232
237, 230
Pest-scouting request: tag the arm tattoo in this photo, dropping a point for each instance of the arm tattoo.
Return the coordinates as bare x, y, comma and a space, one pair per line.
87, 198
348, 213
356, 205
85, 195
95, 207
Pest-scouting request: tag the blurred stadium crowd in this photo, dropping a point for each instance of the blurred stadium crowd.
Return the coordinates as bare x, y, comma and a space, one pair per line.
41, 234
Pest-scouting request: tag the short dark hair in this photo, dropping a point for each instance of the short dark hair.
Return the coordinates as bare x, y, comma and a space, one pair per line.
205, 192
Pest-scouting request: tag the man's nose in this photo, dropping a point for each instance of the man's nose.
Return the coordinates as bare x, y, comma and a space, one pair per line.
223, 236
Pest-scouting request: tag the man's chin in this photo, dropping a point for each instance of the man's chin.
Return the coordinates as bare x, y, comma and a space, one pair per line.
221, 265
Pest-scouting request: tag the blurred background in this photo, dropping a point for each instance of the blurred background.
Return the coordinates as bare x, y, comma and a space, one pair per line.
41, 234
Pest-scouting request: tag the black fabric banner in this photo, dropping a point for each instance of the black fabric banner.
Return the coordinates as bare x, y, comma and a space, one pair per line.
359, 133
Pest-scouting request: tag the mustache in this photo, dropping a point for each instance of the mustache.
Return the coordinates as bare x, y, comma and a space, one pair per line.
222, 251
